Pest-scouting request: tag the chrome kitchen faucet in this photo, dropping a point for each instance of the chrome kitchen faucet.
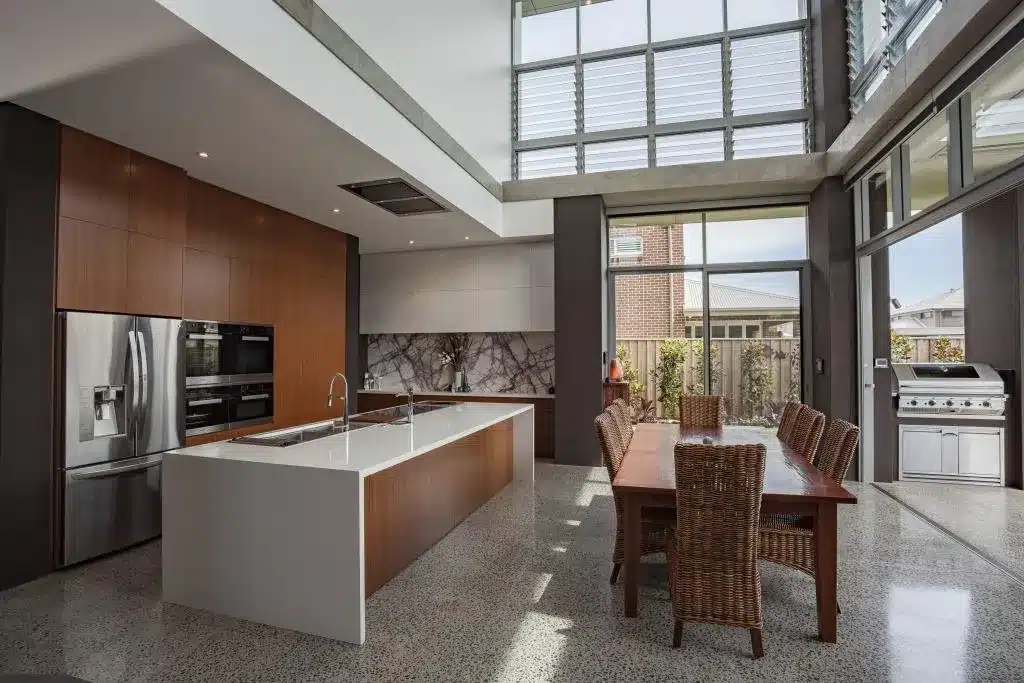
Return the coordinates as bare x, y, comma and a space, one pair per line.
330, 396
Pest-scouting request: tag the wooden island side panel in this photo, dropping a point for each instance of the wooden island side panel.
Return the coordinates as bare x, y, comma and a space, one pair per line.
413, 505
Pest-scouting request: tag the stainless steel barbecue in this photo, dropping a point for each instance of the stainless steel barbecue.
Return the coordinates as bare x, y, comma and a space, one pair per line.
945, 390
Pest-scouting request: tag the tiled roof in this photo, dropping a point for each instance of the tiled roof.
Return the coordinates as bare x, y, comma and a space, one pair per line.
951, 300
726, 297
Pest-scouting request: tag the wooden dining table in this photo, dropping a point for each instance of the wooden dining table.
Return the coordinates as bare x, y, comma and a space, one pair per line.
792, 486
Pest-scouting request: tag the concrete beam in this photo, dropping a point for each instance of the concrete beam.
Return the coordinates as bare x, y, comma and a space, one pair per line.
692, 182
912, 83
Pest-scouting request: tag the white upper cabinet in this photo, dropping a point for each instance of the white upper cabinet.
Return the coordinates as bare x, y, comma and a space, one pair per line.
502, 288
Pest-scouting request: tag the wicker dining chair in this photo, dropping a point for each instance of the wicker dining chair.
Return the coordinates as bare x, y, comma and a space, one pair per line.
713, 575
807, 433
789, 540
654, 530
620, 409
702, 412
788, 420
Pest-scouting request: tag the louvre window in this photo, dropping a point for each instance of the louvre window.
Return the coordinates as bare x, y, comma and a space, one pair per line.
547, 103
690, 148
768, 141
688, 84
678, 76
614, 94
617, 155
631, 246
767, 73
545, 163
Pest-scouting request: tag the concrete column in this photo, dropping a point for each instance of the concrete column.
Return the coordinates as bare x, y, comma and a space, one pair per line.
581, 329
829, 72
992, 279
833, 333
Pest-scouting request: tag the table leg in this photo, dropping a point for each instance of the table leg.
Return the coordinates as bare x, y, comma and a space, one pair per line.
825, 560
631, 531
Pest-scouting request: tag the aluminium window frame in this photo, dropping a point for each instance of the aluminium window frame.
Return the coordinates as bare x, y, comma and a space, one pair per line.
886, 55
652, 130
802, 267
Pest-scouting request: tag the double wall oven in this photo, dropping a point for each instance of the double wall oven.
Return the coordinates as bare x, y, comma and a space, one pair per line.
229, 376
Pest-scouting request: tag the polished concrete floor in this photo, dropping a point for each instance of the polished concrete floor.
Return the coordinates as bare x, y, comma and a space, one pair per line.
987, 517
520, 593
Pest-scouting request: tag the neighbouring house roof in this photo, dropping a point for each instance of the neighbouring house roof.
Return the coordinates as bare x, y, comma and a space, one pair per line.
930, 332
953, 300
729, 298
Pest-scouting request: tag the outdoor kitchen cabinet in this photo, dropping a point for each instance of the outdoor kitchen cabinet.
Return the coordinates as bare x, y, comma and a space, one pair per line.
952, 453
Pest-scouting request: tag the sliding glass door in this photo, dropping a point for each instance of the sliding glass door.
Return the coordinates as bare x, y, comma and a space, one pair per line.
711, 303
754, 339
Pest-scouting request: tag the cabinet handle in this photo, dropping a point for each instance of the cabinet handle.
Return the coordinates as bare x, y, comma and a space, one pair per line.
255, 397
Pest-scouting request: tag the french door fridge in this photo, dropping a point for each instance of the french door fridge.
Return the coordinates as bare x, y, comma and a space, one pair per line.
121, 380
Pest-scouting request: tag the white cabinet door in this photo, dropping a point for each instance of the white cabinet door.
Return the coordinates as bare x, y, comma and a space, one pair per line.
979, 453
950, 452
921, 449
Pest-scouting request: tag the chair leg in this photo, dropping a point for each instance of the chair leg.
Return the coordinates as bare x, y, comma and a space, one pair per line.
756, 643
615, 572
677, 634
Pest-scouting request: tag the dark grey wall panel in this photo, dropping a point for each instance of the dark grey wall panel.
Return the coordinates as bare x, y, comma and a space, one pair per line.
28, 207
580, 326
992, 302
829, 70
833, 300
354, 361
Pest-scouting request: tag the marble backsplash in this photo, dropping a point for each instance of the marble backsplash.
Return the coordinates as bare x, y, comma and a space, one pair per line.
512, 362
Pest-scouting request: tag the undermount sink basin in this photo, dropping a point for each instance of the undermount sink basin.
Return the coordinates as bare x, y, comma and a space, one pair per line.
293, 436
296, 435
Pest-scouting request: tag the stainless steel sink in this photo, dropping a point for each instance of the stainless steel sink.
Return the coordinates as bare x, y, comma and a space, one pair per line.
293, 436
296, 435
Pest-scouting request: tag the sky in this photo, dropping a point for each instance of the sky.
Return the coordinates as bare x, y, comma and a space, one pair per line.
929, 263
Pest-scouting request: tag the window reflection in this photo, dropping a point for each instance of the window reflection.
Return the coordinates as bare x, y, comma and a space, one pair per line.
878, 188
928, 152
997, 115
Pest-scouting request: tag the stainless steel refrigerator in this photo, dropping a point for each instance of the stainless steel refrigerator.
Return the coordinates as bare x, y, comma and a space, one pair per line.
121, 380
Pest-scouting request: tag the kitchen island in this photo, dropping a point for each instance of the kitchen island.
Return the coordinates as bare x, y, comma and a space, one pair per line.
299, 536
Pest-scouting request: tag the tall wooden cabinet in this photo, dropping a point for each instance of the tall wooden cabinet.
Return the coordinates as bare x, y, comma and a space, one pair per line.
139, 236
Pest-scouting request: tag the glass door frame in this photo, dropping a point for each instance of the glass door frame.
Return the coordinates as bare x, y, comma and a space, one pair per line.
801, 267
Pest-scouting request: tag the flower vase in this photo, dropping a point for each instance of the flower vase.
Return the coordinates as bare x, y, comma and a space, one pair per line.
457, 382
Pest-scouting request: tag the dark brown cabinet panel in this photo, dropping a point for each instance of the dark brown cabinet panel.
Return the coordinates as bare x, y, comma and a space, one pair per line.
255, 293
92, 267
213, 214
157, 199
154, 276
206, 286
94, 179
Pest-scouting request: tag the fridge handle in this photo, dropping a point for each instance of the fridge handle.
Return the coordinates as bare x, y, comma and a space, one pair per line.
143, 370
133, 347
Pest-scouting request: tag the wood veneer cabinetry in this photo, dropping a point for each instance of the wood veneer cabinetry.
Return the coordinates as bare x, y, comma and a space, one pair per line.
411, 506
139, 236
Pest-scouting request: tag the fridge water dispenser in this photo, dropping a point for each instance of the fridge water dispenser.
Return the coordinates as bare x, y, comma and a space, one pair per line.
102, 412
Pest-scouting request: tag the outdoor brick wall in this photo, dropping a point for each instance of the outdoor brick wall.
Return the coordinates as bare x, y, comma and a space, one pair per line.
644, 303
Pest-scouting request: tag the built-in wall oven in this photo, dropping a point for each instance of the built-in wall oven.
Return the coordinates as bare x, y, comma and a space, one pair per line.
218, 354
229, 378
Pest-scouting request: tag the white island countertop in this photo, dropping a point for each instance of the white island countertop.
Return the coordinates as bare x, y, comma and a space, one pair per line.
370, 449
458, 394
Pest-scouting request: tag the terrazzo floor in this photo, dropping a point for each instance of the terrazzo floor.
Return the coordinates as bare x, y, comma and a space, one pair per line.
987, 517
519, 592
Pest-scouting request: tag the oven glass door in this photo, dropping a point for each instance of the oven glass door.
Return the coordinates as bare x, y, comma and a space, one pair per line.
206, 352
253, 404
253, 351
207, 410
